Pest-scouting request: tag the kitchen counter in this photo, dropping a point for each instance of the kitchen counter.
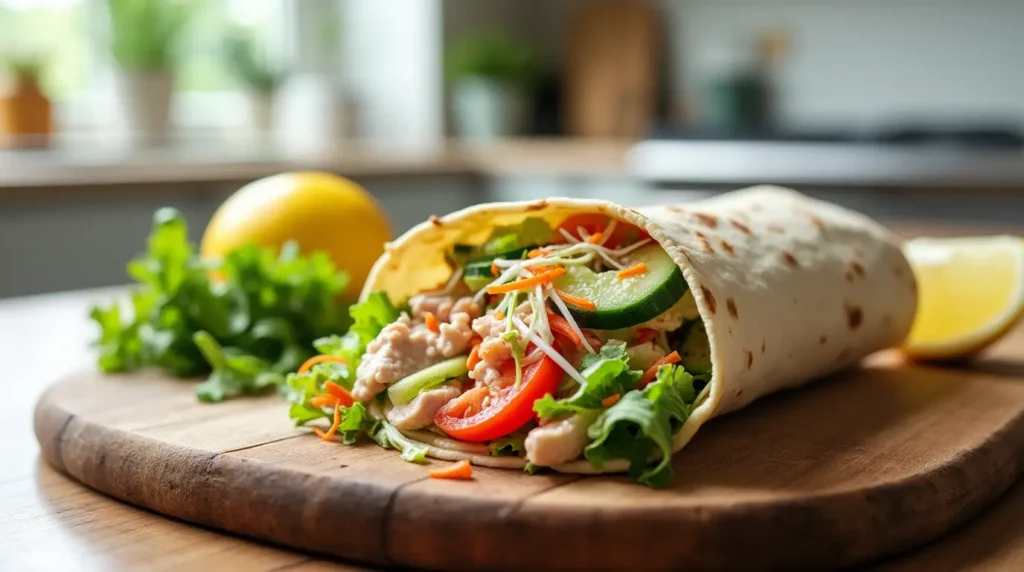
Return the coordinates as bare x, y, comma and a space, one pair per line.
49, 521
81, 163
675, 162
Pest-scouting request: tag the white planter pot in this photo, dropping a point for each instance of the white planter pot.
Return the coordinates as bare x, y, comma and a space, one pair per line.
145, 104
486, 110
310, 105
261, 112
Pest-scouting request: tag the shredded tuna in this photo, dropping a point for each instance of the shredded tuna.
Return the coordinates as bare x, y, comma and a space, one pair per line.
494, 351
419, 413
443, 306
643, 356
405, 347
558, 442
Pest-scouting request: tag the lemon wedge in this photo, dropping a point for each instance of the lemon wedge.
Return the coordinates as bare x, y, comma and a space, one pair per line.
970, 294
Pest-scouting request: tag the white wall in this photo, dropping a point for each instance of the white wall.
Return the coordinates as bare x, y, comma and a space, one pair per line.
865, 61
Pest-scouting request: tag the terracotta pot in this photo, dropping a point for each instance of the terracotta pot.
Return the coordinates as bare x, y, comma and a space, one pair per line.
26, 118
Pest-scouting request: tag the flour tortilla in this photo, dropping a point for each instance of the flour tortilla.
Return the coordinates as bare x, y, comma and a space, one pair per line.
790, 288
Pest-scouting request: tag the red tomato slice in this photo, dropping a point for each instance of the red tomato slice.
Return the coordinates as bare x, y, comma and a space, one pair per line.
624, 233
511, 410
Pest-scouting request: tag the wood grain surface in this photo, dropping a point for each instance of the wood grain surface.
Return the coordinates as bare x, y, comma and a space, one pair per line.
857, 467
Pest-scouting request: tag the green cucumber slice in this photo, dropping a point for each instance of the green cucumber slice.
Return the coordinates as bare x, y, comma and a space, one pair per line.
628, 302
695, 350
477, 272
407, 388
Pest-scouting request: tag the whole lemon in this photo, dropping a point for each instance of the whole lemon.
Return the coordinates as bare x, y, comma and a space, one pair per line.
319, 211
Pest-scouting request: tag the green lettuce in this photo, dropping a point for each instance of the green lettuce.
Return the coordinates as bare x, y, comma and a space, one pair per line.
245, 328
511, 446
532, 231
606, 372
368, 319
388, 436
641, 425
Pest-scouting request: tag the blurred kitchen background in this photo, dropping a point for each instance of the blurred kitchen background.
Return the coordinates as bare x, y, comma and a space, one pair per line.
910, 110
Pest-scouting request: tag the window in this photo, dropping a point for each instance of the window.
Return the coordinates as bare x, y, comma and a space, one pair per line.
65, 35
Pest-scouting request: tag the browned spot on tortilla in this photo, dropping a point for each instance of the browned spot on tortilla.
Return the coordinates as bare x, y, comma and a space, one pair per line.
727, 247
816, 221
708, 220
776, 228
750, 358
730, 304
843, 355
854, 316
703, 241
435, 220
898, 271
848, 275
676, 209
789, 258
739, 392
823, 339
857, 268
740, 226
537, 205
709, 298
762, 347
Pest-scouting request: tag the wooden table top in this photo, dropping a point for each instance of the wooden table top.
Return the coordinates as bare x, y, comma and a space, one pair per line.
54, 521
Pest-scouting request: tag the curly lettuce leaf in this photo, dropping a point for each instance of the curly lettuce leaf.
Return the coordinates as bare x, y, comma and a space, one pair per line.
258, 311
511, 446
607, 373
640, 426
388, 436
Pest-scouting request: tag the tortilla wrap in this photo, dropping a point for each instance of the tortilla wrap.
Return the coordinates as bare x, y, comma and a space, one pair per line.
790, 288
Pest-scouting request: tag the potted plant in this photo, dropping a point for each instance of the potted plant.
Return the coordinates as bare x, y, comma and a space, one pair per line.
25, 110
143, 40
252, 69
491, 76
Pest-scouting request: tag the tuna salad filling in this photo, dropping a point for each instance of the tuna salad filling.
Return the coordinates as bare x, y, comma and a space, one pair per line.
547, 344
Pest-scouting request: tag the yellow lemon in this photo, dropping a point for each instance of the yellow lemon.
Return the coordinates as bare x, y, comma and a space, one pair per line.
971, 293
319, 211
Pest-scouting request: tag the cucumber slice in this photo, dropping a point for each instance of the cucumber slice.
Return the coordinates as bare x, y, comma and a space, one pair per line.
477, 272
628, 302
695, 350
407, 388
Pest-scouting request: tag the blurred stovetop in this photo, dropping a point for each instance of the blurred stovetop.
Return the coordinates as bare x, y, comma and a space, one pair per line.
967, 138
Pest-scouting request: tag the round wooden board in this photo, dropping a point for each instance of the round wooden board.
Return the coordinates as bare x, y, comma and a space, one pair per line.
863, 465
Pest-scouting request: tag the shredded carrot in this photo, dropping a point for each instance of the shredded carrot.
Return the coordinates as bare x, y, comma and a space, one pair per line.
494, 270
643, 336
611, 400
461, 471
652, 371
595, 238
344, 397
329, 434
325, 400
560, 325
431, 320
635, 270
474, 357
463, 404
499, 315
535, 253
527, 283
320, 359
575, 300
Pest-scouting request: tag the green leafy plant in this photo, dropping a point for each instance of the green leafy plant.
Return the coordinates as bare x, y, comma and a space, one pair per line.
249, 64
246, 320
495, 57
144, 33
28, 68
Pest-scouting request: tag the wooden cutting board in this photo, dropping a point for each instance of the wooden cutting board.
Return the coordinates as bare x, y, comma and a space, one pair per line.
865, 464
